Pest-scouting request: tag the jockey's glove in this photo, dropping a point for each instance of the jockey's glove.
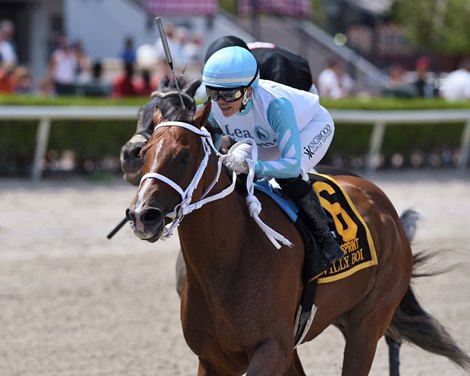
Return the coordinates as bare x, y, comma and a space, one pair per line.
236, 163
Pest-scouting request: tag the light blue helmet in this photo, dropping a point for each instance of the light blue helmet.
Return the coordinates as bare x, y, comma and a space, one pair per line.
231, 67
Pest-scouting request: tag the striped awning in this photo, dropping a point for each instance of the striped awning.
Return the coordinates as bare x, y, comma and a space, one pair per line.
182, 7
291, 8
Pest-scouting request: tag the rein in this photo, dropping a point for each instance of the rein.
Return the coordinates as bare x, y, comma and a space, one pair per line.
186, 207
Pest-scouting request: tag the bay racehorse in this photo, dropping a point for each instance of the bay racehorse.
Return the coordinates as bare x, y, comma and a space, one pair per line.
240, 295
167, 98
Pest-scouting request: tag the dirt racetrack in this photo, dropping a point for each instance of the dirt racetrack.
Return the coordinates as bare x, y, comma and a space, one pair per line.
75, 303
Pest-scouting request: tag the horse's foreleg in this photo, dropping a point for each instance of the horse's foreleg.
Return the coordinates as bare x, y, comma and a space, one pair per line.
207, 369
270, 359
361, 343
295, 368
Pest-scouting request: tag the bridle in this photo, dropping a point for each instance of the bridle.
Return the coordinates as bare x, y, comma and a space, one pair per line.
185, 206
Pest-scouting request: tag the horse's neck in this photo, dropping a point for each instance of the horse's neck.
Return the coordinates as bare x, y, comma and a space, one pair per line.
211, 237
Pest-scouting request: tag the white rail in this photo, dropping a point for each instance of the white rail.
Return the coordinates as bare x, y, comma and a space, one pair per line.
379, 119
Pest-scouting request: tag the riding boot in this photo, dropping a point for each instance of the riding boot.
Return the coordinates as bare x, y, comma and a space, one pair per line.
302, 194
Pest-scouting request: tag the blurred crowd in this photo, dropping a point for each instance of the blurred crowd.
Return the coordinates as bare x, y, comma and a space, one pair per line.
14, 78
71, 71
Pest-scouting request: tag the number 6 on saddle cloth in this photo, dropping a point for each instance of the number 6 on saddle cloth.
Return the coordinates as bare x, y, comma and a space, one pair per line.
347, 225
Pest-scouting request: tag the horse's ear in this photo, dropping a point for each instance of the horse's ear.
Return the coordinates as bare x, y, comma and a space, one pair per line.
192, 88
157, 116
164, 82
202, 115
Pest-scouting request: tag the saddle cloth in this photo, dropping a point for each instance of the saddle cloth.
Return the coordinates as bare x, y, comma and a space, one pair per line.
346, 224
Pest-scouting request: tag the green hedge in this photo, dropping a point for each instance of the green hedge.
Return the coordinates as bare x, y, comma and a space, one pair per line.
346, 103
95, 141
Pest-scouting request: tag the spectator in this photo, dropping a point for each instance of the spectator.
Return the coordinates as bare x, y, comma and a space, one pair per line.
128, 54
423, 85
7, 47
194, 52
7, 85
456, 86
145, 86
333, 82
96, 86
398, 86
83, 68
396, 75
172, 43
146, 56
62, 70
124, 85
180, 55
22, 82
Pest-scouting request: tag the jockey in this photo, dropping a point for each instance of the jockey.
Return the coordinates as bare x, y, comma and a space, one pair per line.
293, 132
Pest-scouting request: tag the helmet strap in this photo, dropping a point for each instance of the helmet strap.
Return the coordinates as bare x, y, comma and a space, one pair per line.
245, 100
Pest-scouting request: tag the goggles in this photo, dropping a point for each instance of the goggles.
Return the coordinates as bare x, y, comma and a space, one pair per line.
227, 95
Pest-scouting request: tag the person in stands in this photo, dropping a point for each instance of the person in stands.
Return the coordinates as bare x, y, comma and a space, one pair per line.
124, 85
456, 85
62, 69
292, 130
334, 82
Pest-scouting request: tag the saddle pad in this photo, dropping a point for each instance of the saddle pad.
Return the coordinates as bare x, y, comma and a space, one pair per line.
349, 228
352, 233
266, 186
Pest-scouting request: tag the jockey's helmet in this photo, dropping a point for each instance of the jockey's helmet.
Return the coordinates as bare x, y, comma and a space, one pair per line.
231, 67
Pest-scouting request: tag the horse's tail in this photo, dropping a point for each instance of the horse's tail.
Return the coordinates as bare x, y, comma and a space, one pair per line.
412, 323
415, 325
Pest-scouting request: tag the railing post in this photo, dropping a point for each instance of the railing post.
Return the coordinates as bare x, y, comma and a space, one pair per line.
42, 139
465, 147
375, 146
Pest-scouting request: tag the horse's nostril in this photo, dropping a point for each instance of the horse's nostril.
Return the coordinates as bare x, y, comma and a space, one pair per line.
130, 215
151, 216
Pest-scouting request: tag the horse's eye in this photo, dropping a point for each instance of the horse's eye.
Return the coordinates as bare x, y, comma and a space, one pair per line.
185, 157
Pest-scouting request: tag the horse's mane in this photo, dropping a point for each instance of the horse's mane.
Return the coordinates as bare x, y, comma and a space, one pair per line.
185, 116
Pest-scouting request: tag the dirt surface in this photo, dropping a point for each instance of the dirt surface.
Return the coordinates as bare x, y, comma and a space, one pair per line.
75, 303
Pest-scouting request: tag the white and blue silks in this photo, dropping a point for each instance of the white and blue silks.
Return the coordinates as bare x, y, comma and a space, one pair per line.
292, 131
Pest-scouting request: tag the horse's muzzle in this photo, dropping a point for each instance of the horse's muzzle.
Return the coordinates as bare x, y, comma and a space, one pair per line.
147, 223
131, 165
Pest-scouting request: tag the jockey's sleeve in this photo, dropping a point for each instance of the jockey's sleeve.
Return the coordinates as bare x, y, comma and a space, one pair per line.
281, 117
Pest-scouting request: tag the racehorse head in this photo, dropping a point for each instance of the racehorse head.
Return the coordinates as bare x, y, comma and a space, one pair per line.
173, 161
166, 97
